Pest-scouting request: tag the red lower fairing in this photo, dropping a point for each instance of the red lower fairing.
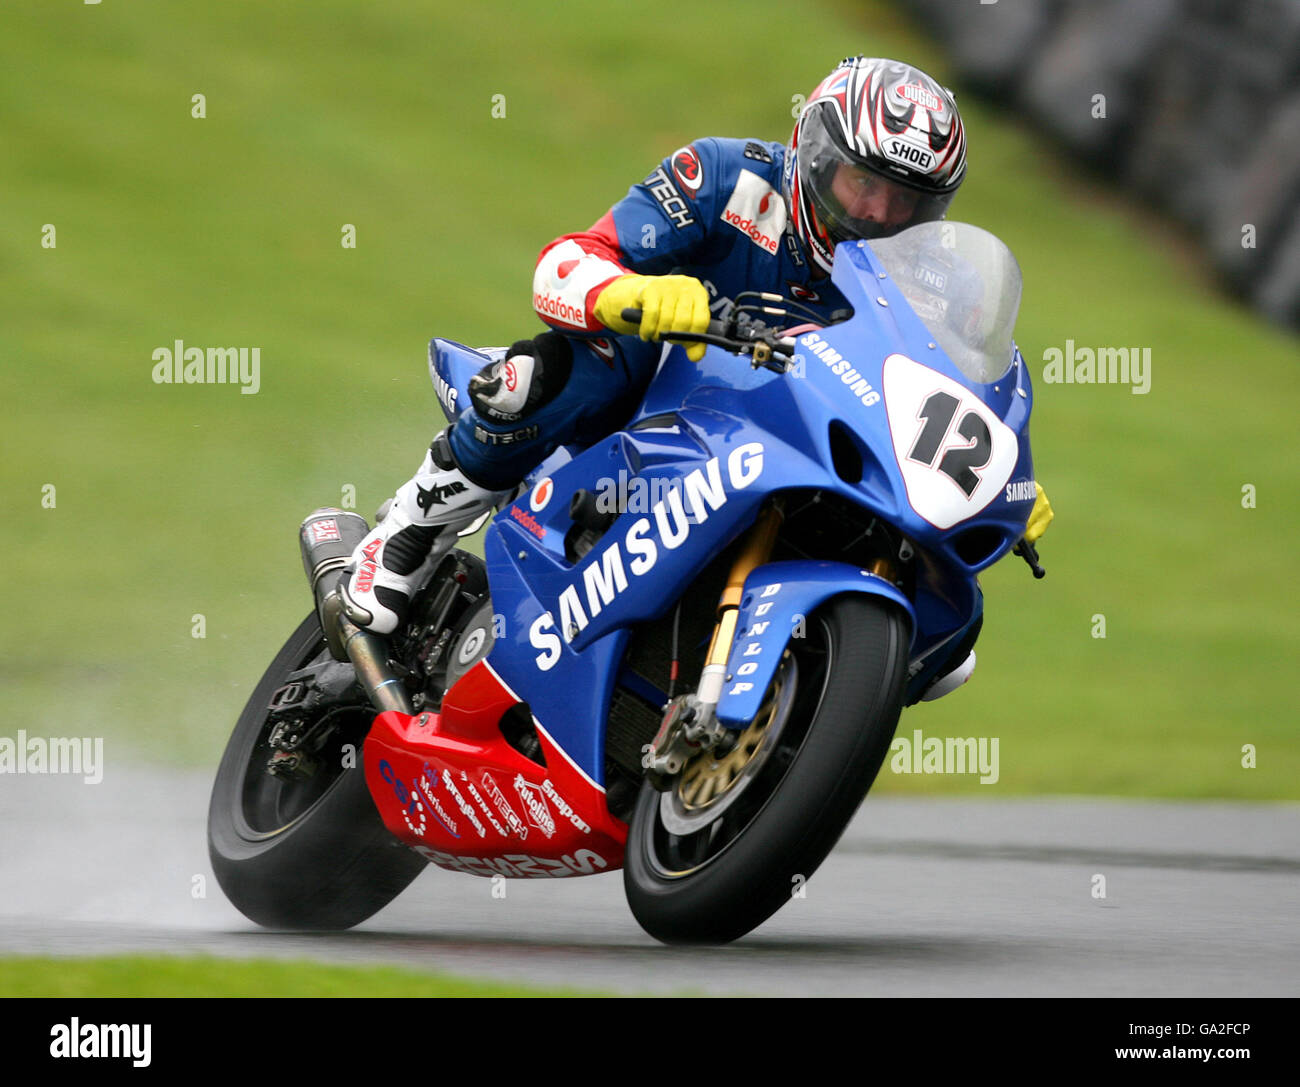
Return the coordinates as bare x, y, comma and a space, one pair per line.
450, 786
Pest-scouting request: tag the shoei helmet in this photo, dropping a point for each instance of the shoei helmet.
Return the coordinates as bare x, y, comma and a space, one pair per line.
878, 147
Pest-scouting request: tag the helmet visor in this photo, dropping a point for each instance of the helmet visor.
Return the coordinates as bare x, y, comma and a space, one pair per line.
853, 199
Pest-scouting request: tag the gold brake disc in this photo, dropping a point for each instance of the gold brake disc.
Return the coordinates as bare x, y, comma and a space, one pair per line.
709, 783
706, 778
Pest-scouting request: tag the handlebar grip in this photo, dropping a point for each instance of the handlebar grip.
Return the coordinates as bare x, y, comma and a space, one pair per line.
633, 317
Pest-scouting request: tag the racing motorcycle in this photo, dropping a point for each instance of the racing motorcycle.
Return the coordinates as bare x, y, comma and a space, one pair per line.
686, 648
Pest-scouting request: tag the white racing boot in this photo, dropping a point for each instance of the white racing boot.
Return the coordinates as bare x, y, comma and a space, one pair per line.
391, 563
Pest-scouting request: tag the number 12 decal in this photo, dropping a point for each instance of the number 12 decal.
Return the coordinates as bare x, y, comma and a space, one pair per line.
960, 462
953, 452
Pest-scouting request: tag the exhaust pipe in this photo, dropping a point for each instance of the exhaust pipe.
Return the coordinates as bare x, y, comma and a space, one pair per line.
327, 539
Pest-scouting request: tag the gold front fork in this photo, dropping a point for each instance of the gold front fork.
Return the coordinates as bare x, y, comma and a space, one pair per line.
689, 722
756, 551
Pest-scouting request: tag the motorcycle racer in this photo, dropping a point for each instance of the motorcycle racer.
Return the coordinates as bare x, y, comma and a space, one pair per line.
879, 146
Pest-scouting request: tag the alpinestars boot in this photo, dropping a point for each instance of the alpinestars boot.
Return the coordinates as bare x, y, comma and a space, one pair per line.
417, 531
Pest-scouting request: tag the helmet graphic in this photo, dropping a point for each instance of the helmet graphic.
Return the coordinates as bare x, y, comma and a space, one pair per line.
878, 147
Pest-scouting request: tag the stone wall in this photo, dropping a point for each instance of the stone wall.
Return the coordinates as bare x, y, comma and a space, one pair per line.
1201, 109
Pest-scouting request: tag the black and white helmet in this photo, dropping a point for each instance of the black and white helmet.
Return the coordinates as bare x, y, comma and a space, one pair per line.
878, 147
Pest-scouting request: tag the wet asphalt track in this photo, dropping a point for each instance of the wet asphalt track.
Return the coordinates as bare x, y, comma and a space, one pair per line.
920, 898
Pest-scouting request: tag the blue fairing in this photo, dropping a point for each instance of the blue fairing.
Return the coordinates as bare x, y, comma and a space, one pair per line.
777, 601
451, 365
710, 444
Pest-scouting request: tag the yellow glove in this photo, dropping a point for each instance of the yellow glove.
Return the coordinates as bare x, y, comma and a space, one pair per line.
1040, 517
667, 304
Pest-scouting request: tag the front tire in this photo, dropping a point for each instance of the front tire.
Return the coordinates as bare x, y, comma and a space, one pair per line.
738, 846
302, 854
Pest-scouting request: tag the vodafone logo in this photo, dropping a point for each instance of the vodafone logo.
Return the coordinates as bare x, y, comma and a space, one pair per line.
555, 307
541, 495
746, 226
756, 210
687, 170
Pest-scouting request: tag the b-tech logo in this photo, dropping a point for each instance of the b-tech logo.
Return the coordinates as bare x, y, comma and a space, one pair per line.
607, 576
665, 193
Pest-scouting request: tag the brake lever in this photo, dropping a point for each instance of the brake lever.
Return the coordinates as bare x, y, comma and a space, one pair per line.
761, 352
1029, 553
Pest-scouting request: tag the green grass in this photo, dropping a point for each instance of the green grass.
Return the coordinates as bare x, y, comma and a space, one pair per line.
205, 976
176, 501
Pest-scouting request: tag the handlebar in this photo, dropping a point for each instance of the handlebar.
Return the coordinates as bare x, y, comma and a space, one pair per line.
716, 328
764, 348
1029, 553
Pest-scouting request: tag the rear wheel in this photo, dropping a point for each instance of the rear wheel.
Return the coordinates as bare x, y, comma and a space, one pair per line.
723, 849
305, 850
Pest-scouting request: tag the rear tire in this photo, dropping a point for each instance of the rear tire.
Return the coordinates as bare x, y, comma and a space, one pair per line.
298, 854
820, 753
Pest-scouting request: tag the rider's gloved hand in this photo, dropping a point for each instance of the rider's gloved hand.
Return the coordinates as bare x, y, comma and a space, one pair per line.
667, 304
1040, 517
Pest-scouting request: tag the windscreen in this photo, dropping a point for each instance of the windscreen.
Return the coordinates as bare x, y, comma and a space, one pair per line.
965, 285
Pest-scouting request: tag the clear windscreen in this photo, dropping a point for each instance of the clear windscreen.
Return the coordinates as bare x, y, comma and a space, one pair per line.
964, 284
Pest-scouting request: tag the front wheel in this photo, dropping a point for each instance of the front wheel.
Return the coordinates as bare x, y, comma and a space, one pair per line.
723, 849
308, 850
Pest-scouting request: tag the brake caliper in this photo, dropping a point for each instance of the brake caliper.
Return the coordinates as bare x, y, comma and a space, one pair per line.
689, 727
